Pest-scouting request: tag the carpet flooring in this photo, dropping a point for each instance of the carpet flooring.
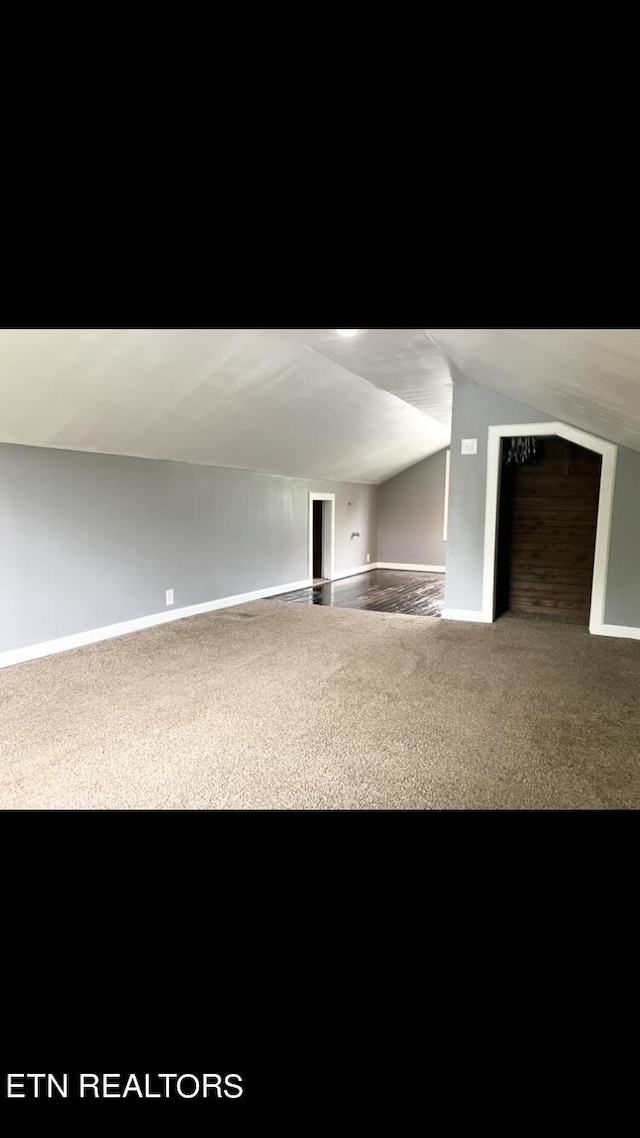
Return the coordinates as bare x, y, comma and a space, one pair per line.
279, 706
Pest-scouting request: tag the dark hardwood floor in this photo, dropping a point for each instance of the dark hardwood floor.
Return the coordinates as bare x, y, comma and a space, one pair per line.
381, 590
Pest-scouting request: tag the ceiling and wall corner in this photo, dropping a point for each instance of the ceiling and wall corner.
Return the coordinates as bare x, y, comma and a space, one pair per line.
308, 403
587, 378
280, 402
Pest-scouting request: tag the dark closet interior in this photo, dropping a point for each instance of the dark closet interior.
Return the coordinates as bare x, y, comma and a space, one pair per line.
547, 529
318, 534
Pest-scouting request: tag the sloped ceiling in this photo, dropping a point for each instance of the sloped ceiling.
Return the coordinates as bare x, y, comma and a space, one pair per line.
301, 402
589, 378
304, 404
408, 364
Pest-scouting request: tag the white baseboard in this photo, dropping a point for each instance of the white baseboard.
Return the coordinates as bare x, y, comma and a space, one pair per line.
621, 630
416, 568
354, 572
474, 615
94, 635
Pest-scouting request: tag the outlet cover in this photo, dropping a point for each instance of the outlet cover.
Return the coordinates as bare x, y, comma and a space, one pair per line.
469, 446
169, 596
368, 558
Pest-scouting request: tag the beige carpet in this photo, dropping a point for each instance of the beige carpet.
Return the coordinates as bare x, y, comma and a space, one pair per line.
274, 705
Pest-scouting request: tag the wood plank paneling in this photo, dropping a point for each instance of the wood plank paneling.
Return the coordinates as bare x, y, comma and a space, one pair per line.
546, 540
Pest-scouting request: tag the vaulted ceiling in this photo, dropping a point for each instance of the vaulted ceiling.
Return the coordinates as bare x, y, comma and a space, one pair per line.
588, 378
303, 402
290, 403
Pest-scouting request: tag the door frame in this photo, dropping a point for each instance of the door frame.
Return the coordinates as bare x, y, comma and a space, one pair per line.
609, 452
328, 535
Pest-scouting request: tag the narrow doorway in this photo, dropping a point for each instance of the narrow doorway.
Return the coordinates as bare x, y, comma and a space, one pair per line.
317, 538
547, 521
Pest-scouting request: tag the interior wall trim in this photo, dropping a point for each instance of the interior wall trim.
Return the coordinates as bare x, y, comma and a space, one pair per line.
354, 572
329, 533
123, 628
475, 615
415, 568
609, 452
623, 630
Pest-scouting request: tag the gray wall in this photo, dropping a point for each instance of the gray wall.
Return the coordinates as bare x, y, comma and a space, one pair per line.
622, 604
411, 514
88, 540
474, 410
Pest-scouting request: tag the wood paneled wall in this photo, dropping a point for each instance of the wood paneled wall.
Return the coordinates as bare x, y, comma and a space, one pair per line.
546, 540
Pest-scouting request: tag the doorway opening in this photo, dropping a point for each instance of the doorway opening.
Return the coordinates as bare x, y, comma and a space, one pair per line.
547, 523
321, 537
318, 552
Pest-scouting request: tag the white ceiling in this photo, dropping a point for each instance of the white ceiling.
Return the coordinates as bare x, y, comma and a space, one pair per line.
300, 402
588, 378
407, 363
287, 402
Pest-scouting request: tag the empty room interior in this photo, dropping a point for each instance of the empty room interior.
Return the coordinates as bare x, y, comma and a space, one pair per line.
319, 569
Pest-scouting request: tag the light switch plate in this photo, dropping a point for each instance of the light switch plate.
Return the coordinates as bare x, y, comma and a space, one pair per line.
469, 446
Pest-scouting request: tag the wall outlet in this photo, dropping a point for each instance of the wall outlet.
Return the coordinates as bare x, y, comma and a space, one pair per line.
368, 558
469, 446
169, 596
